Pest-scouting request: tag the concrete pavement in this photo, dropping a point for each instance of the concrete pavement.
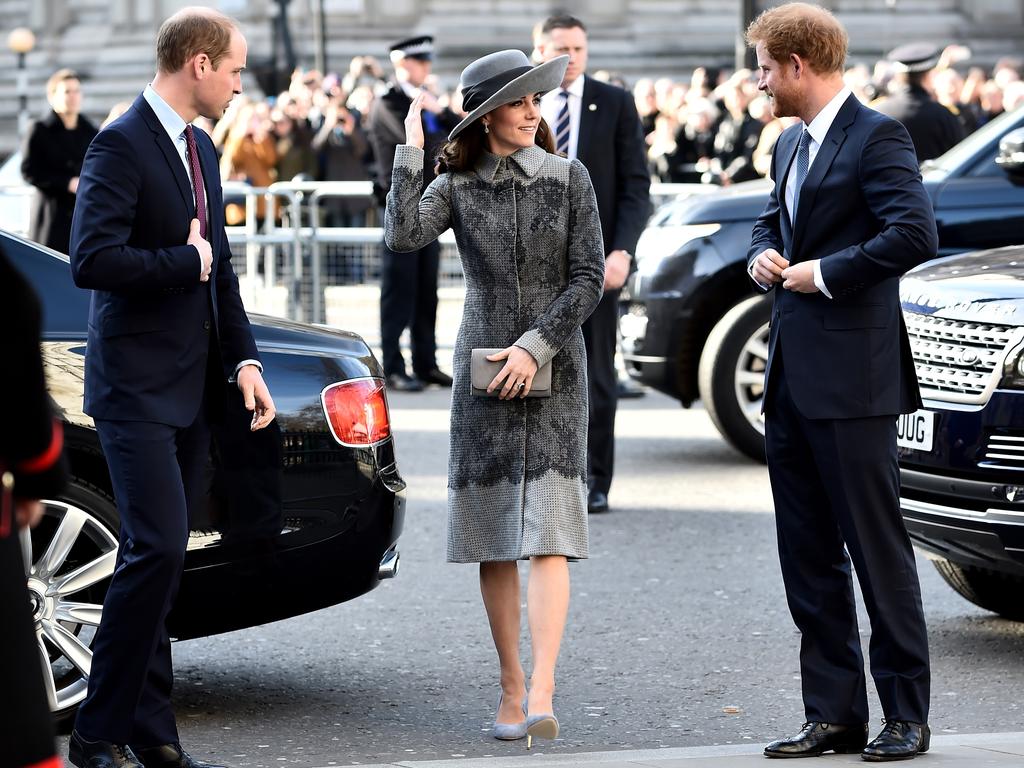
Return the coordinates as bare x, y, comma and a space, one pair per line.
947, 751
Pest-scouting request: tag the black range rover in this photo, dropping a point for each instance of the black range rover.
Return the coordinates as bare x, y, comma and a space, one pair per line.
694, 330
962, 456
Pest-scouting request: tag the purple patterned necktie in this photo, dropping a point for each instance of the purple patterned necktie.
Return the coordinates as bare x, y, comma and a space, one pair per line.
197, 179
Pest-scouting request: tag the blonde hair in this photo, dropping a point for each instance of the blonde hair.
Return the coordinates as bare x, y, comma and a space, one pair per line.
58, 77
812, 33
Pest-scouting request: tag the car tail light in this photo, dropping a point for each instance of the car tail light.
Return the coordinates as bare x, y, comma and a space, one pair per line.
357, 412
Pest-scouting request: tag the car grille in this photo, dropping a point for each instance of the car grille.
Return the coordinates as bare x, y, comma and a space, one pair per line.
958, 361
1003, 451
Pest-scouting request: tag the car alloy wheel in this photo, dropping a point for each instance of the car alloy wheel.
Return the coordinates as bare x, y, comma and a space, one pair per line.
749, 377
74, 554
731, 374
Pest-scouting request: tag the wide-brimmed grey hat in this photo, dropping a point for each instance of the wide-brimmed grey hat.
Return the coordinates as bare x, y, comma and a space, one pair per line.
502, 77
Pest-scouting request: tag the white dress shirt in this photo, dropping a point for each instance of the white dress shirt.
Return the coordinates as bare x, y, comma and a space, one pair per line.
818, 130
173, 123
175, 127
551, 106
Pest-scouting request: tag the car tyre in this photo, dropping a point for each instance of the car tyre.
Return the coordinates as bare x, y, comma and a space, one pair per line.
74, 551
991, 590
731, 374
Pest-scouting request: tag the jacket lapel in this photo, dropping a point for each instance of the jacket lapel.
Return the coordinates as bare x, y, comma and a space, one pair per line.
169, 152
587, 118
787, 155
822, 162
208, 166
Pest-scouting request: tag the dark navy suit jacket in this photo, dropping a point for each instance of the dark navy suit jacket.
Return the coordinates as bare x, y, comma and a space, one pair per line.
864, 212
611, 146
152, 323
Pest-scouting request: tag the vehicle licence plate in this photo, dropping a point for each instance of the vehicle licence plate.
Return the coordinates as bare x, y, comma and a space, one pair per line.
916, 430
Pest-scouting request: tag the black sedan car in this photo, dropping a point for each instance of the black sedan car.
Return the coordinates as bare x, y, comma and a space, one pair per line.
302, 515
694, 330
962, 455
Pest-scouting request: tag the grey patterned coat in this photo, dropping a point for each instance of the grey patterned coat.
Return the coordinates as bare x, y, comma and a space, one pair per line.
530, 241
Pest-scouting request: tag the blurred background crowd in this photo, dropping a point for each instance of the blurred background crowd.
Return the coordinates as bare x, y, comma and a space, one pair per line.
714, 127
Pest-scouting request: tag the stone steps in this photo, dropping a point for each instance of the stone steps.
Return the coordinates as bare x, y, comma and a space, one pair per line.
111, 43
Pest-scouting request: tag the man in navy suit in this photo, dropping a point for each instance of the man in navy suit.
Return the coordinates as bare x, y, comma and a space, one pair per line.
598, 124
848, 216
167, 331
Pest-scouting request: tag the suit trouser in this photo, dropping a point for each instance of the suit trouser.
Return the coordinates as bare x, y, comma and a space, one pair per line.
408, 299
26, 727
157, 471
600, 334
836, 482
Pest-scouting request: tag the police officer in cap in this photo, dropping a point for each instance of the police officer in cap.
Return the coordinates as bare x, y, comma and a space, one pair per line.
408, 283
932, 127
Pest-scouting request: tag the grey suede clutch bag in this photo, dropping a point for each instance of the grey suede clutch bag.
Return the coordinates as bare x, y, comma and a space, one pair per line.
482, 372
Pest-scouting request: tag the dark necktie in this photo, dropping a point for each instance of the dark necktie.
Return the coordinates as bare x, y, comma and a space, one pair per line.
803, 161
197, 179
562, 127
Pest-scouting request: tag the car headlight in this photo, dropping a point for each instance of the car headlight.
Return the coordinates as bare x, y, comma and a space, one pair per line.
658, 243
1013, 369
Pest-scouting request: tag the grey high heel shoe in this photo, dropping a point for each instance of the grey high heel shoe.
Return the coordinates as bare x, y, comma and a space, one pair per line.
542, 726
508, 731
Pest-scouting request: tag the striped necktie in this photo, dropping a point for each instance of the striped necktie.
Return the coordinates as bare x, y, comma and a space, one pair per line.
562, 127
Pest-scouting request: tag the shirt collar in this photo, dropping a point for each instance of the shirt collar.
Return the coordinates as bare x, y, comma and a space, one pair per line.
169, 119
529, 160
408, 89
576, 89
823, 120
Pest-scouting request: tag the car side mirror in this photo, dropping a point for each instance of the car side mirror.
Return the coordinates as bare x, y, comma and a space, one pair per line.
1011, 153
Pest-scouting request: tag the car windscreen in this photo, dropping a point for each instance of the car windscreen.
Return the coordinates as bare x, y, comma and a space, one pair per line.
65, 306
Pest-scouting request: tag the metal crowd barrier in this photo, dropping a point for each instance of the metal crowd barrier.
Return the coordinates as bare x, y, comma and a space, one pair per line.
286, 260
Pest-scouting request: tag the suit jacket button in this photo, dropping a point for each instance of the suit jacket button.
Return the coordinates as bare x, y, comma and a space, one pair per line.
206, 325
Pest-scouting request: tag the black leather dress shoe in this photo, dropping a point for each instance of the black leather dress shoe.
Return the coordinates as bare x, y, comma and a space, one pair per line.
171, 756
899, 740
597, 502
399, 382
100, 754
435, 376
817, 738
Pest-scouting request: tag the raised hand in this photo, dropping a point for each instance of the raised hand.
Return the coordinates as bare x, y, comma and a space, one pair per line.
414, 123
205, 252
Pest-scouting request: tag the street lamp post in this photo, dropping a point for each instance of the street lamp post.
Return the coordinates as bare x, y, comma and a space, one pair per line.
21, 41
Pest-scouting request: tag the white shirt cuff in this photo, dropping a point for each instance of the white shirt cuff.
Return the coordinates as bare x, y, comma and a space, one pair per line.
750, 271
241, 365
819, 281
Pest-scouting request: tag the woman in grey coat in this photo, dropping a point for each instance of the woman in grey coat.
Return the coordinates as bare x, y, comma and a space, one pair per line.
529, 236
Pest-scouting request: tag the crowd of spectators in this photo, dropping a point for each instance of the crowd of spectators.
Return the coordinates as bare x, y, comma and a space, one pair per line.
714, 127
718, 128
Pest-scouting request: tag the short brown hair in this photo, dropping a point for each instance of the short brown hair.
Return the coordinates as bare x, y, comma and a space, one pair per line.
560, 21
461, 153
59, 77
188, 33
812, 33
